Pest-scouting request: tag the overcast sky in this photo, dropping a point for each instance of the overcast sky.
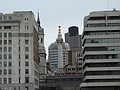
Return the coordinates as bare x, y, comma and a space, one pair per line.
58, 12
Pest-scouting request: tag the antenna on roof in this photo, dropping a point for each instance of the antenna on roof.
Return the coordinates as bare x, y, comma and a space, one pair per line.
108, 4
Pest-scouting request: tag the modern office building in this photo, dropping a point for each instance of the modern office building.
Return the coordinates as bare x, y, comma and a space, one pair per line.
73, 37
58, 52
19, 51
101, 51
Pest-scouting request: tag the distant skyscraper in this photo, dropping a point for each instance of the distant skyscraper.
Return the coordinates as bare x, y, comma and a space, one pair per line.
19, 51
101, 51
73, 38
58, 52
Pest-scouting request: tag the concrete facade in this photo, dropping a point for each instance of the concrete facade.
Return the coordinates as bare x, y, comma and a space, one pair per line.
101, 51
19, 53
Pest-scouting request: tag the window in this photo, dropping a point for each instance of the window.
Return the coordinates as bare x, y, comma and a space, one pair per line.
19, 49
5, 49
0, 42
19, 71
26, 49
5, 64
26, 56
0, 56
7, 27
4, 88
9, 34
14, 88
0, 64
26, 79
26, 88
9, 64
0, 80
9, 49
9, 80
26, 41
0, 35
10, 42
10, 56
5, 71
19, 42
0, 71
9, 71
19, 79
5, 35
5, 42
19, 56
5, 80
5, 56
26, 63
41, 40
36, 81
26, 71
19, 64
0, 49
9, 88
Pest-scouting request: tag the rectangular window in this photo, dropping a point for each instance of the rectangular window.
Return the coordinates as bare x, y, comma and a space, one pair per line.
5, 49
19, 49
10, 56
0, 56
9, 34
19, 56
5, 64
7, 27
0, 49
19, 79
26, 71
5, 80
10, 64
4, 88
5, 71
9, 49
26, 79
9, 71
26, 63
5, 35
26, 56
19, 64
10, 42
5, 56
9, 80
5, 42
19, 71
0, 35
0, 71
26, 88
0, 42
26, 49
9, 88
0, 80
26, 41
14, 88
0, 63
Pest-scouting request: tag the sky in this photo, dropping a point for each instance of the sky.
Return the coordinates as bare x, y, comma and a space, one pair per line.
54, 13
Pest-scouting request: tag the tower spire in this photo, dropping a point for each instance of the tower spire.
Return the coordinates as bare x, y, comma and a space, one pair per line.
38, 20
